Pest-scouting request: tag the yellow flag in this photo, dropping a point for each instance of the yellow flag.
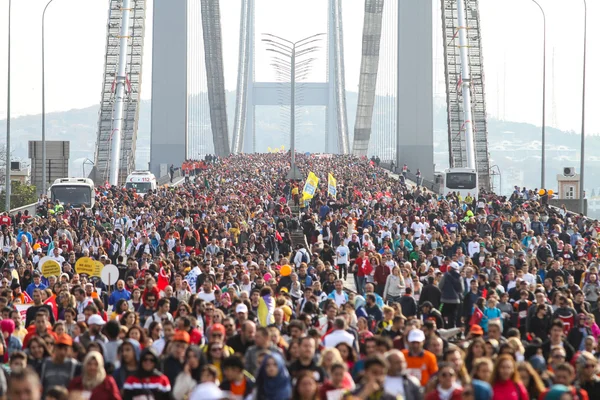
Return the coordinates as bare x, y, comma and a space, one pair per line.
311, 185
269, 149
331, 186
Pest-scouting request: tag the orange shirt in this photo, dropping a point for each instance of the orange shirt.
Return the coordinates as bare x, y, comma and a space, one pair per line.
238, 388
421, 367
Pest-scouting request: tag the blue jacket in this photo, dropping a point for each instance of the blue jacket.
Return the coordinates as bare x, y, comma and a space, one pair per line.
118, 295
32, 287
332, 295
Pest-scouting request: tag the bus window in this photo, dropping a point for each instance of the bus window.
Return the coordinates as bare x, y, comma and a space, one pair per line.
461, 180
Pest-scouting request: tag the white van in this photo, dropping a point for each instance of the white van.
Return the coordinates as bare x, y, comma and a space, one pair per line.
141, 181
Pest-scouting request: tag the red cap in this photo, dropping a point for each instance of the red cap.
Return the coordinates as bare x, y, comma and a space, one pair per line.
217, 328
476, 330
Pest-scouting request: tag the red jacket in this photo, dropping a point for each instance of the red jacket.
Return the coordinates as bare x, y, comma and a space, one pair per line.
107, 390
363, 267
434, 395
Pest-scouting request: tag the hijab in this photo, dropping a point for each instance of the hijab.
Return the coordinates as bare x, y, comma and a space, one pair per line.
274, 388
142, 373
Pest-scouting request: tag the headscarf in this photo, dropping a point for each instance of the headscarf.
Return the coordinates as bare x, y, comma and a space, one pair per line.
91, 382
556, 392
274, 388
196, 372
141, 372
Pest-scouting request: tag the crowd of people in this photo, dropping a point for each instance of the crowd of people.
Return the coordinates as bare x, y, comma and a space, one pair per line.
393, 292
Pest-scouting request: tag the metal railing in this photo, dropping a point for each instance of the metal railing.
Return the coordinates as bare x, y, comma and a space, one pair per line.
427, 184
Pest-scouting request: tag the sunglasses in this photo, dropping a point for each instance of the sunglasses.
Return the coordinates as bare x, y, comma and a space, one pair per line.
148, 360
216, 349
447, 374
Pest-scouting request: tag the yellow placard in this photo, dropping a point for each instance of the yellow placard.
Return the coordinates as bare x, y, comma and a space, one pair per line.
98, 268
51, 268
86, 265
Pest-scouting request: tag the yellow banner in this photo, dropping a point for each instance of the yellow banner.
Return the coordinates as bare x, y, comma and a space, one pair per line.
51, 268
331, 185
312, 182
86, 265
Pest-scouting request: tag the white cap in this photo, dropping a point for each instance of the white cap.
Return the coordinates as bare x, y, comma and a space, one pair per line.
454, 265
95, 320
241, 308
416, 335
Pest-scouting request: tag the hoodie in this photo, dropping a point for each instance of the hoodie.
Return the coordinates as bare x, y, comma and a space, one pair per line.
143, 383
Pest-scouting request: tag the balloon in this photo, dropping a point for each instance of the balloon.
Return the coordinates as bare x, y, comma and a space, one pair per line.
267, 277
285, 270
550, 192
542, 192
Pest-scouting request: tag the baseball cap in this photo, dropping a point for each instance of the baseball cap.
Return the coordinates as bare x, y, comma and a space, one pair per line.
181, 336
64, 339
454, 265
241, 308
416, 335
95, 320
476, 330
218, 328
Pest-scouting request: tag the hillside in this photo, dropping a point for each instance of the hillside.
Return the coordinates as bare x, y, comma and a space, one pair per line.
514, 147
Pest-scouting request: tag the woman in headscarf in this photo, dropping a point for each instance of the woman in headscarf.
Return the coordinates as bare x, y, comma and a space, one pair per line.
148, 381
190, 377
273, 379
93, 383
129, 356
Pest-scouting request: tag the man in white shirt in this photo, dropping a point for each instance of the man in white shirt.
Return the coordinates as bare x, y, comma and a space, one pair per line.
161, 314
342, 253
418, 227
339, 334
207, 294
397, 382
338, 295
474, 246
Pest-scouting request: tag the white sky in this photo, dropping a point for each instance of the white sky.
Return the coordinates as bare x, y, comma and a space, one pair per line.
75, 46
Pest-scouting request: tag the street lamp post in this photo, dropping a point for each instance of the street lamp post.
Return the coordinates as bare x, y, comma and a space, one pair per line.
543, 174
582, 161
292, 51
44, 177
7, 188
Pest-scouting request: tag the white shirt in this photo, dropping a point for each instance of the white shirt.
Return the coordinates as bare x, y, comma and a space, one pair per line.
474, 247
340, 299
342, 254
207, 297
418, 227
394, 385
338, 336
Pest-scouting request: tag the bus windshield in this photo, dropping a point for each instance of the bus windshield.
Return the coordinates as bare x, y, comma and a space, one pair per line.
140, 187
77, 196
461, 180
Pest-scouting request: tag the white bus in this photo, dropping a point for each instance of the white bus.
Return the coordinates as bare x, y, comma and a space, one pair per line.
462, 181
74, 191
141, 181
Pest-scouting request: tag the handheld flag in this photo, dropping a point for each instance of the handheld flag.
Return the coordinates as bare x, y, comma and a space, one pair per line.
269, 150
310, 186
331, 186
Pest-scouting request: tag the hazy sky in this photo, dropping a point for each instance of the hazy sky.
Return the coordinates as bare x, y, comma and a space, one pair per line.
512, 40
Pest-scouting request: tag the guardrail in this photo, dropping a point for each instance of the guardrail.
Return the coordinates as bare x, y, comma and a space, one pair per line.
434, 187
31, 207
164, 180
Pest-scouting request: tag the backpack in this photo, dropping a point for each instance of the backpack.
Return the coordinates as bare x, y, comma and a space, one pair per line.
304, 258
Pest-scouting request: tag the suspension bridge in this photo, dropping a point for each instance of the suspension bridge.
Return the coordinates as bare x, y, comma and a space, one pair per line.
394, 114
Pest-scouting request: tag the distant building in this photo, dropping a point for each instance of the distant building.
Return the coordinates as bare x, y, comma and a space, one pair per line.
568, 184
